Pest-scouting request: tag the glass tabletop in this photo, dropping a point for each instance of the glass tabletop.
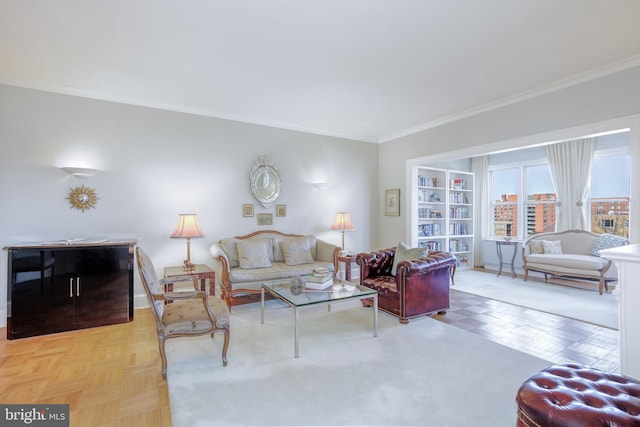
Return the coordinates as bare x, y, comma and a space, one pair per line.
338, 291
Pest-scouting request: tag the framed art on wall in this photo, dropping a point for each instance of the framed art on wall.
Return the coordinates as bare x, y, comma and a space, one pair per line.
392, 202
281, 210
247, 210
265, 219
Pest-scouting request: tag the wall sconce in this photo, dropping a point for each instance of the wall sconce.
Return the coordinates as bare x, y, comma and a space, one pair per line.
343, 223
320, 185
81, 171
187, 228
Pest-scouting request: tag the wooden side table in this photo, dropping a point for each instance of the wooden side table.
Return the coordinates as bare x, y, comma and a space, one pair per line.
514, 245
347, 259
203, 271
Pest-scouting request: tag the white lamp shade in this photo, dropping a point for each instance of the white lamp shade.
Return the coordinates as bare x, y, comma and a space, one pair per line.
187, 227
343, 222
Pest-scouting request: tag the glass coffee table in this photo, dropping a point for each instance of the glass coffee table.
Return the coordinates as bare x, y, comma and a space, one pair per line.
340, 291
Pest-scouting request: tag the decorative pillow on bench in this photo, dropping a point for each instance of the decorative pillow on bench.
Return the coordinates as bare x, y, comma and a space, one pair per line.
545, 247
535, 247
606, 241
552, 246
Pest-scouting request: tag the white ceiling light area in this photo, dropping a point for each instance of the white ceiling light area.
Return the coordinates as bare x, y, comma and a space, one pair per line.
369, 70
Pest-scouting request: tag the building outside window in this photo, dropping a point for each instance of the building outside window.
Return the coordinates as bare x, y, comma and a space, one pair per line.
530, 184
610, 189
527, 191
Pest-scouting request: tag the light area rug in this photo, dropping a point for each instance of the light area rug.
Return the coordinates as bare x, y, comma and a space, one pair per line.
426, 373
579, 301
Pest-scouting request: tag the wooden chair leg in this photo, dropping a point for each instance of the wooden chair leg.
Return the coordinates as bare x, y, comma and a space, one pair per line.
225, 346
163, 356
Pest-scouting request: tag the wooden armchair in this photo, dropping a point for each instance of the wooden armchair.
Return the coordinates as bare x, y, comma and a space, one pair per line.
189, 313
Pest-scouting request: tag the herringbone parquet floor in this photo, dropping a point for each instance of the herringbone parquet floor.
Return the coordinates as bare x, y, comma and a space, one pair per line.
110, 376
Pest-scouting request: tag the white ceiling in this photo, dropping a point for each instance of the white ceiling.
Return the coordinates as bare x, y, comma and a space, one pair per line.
370, 70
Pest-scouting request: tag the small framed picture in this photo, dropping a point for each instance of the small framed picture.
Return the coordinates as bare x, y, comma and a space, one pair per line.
247, 210
281, 210
265, 219
392, 202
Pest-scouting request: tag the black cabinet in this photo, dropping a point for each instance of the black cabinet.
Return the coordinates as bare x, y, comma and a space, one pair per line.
62, 288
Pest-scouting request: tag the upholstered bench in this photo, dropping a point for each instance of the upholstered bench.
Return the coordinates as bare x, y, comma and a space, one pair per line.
575, 395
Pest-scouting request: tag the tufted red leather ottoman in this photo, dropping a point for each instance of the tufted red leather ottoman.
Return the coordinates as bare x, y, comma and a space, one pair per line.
575, 395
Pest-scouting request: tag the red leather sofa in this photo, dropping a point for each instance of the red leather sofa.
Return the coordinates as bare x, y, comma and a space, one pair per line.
420, 286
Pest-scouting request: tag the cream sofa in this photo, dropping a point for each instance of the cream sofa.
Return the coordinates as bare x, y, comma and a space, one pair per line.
571, 254
244, 262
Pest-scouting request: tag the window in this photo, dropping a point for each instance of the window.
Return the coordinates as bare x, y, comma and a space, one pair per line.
537, 207
526, 191
541, 200
504, 202
610, 189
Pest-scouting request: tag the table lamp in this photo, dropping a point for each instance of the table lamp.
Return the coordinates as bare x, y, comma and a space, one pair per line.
187, 228
343, 223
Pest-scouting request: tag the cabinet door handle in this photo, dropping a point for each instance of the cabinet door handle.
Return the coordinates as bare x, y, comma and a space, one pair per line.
77, 286
71, 287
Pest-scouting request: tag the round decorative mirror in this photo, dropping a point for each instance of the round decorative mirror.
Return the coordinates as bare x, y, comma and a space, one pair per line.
265, 181
82, 198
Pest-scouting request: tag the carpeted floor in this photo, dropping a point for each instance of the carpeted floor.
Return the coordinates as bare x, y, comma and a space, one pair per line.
576, 300
426, 373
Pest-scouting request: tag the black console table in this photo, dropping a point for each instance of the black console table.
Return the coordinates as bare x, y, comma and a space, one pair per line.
55, 288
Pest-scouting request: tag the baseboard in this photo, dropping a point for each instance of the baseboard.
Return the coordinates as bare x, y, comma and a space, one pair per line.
140, 301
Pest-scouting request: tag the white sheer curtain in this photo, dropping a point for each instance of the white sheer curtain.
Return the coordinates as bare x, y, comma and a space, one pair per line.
570, 164
479, 166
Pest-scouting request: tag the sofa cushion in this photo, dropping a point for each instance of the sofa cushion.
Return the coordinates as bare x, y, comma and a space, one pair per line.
552, 246
254, 253
297, 251
405, 253
606, 241
584, 262
278, 270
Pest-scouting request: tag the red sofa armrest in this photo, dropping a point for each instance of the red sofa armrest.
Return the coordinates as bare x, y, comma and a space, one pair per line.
374, 264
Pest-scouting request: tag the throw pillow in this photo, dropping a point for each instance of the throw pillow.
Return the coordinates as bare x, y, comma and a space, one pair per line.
254, 253
535, 247
296, 251
606, 241
278, 256
229, 246
552, 246
404, 252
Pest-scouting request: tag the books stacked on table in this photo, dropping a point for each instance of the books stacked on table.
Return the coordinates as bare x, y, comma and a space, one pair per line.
319, 279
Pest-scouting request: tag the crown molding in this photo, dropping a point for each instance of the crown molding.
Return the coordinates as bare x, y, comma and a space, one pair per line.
584, 77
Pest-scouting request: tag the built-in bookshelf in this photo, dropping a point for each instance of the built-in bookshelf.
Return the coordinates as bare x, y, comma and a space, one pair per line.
442, 212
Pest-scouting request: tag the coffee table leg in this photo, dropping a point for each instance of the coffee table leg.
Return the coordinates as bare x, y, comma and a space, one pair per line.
262, 306
296, 331
375, 315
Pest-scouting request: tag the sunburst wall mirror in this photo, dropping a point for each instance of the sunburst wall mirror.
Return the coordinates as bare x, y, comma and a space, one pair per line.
82, 198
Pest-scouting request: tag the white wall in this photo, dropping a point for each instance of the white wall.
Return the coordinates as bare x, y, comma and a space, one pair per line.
156, 164
606, 103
